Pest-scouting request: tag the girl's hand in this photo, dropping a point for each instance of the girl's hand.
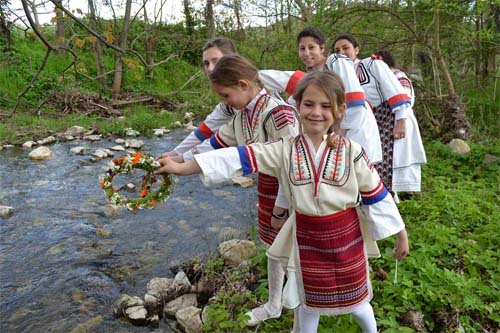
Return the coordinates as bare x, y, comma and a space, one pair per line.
167, 154
278, 217
401, 247
168, 165
400, 129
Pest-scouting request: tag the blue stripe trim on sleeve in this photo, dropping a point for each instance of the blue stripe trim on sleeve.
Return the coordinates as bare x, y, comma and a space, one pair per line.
376, 198
214, 142
244, 160
199, 135
355, 103
400, 103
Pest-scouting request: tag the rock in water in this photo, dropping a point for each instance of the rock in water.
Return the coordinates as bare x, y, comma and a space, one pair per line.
41, 153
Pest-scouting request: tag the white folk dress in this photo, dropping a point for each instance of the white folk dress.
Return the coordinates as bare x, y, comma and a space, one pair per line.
325, 242
359, 121
406, 83
400, 168
265, 118
220, 115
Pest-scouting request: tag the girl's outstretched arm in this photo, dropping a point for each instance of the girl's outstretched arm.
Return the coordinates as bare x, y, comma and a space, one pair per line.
168, 165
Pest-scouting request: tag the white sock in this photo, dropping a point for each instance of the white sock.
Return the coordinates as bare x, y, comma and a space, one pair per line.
363, 315
308, 321
275, 276
296, 325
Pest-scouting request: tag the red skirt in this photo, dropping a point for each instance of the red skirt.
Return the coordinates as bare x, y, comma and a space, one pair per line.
267, 189
332, 259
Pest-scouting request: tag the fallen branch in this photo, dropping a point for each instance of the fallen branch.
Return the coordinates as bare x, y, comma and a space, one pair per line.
139, 100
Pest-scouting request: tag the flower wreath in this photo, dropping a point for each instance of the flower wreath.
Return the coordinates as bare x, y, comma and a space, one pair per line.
147, 198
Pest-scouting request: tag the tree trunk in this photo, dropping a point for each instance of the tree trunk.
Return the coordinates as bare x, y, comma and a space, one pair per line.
456, 123
209, 18
438, 54
306, 9
239, 24
117, 81
149, 44
189, 19
35, 13
5, 30
60, 29
99, 55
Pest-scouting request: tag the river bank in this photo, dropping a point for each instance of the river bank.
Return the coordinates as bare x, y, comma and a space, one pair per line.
67, 255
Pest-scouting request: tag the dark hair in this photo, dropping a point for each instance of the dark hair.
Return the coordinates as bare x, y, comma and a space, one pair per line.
232, 68
346, 36
312, 32
225, 45
387, 57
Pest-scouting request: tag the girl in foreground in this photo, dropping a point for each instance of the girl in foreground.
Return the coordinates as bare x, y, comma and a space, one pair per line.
324, 243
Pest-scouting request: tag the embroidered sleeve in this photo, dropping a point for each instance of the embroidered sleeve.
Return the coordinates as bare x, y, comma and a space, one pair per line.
390, 87
378, 205
223, 164
370, 185
282, 121
344, 67
281, 80
267, 158
220, 115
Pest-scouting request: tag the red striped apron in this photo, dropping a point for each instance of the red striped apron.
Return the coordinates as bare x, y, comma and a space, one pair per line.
267, 189
332, 259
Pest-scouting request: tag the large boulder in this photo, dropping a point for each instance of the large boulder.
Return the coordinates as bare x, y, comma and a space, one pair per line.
74, 131
236, 251
459, 146
41, 153
171, 308
190, 319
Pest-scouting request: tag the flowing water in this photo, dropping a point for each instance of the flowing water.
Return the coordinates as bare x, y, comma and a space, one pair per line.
66, 255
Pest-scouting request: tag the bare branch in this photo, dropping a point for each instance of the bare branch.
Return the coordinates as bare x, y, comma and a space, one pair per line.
192, 78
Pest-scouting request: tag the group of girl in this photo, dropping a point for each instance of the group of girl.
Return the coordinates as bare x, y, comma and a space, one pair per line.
313, 180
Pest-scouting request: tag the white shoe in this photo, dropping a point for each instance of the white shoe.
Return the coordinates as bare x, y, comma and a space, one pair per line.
260, 314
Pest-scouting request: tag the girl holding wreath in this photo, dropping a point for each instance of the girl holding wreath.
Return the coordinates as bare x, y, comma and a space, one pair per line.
325, 242
261, 118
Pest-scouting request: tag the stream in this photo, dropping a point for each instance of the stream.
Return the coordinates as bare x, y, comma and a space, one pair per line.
66, 255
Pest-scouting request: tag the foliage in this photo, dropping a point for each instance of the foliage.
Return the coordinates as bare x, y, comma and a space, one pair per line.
470, 48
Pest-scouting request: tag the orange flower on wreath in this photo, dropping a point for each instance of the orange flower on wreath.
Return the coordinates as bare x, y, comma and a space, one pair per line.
119, 161
137, 158
144, 192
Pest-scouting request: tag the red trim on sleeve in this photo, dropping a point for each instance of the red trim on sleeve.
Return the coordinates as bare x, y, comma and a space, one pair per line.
205, 130
398, 99
354, 96
294, 81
